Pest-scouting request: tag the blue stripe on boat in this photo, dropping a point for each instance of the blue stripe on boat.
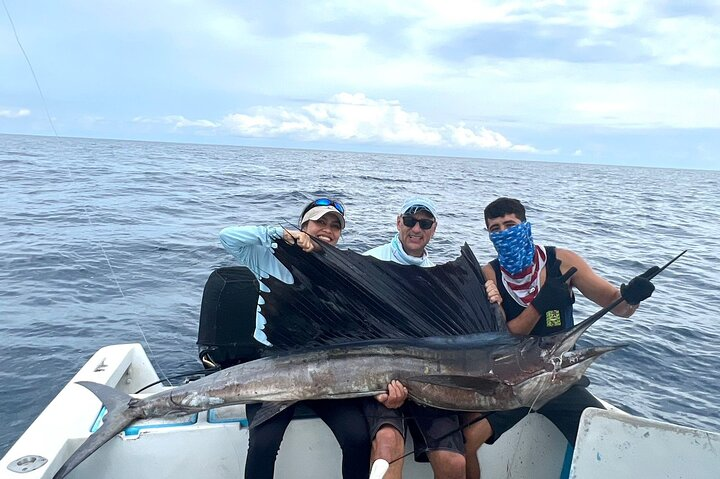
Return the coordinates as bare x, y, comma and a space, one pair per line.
135, 429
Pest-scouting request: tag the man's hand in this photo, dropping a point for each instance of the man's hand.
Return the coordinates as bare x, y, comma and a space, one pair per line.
395, 397
302, 239
492, 292
639, 288
555, 293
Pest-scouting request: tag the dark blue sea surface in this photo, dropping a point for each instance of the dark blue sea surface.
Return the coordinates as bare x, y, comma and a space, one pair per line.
105, 242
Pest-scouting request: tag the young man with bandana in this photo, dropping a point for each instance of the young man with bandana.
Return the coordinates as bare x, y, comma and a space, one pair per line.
434, 431
252, 246
537, 302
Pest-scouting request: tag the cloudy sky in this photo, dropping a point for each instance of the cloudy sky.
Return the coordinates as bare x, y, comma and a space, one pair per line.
608, 81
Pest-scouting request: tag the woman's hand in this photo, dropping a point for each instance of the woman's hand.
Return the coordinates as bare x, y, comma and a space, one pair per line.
302, 239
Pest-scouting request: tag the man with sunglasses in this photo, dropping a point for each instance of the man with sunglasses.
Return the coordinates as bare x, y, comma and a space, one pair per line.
434, 430
416, 226
537, 300
323, 219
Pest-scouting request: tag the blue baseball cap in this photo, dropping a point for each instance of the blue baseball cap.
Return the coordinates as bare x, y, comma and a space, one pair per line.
418, 203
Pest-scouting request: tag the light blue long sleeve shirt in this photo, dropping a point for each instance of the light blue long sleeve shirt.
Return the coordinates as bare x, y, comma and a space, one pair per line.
393, 251
252, 247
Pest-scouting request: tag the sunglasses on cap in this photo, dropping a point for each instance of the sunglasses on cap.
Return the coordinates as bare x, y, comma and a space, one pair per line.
325, 202
410, 222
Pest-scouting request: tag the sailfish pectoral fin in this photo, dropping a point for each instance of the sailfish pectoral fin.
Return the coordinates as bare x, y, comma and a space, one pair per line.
473, 383
269, 410
458, 393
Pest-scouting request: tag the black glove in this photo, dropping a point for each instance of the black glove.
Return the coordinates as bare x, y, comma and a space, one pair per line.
639, 288
555, 293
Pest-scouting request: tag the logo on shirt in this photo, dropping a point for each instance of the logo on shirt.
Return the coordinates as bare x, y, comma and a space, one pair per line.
552, 319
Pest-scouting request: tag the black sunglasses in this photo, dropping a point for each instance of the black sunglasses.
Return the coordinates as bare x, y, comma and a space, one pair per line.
410, 222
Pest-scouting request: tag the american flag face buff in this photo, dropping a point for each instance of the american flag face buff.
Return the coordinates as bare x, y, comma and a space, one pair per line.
520, 262
515, 247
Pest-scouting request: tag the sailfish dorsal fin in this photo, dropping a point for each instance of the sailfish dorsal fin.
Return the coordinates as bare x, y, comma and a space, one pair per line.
342, 296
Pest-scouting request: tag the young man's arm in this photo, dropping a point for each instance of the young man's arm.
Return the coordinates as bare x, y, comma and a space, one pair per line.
591, 285
526, 321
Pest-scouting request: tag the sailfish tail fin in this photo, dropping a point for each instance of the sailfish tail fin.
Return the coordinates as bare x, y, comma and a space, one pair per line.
120, 414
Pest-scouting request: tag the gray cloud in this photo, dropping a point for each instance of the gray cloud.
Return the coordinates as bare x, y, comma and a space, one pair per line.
530, 40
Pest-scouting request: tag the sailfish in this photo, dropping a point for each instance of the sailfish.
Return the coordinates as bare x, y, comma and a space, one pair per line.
349, 324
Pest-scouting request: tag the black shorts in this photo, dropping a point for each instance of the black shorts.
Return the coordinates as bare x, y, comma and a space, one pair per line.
432, 429
378, 415
564, 411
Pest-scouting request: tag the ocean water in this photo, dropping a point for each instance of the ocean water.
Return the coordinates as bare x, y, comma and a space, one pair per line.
104, 242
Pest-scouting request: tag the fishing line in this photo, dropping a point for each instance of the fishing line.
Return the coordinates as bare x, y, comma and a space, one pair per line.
201, 372
427, 449
74, 182
531, 409
32, 71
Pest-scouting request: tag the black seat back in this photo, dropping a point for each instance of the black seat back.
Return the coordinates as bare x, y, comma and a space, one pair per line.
227, 317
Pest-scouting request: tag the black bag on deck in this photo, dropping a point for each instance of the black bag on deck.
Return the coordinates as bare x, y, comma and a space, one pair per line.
227, 318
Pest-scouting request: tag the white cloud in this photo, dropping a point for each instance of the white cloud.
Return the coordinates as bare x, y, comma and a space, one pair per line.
531, 91
355, 117
462, 74
602, 108
686, 41
482, 138
665, 104
593, 15
16, 113
177, 121
670, 40
540, 92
